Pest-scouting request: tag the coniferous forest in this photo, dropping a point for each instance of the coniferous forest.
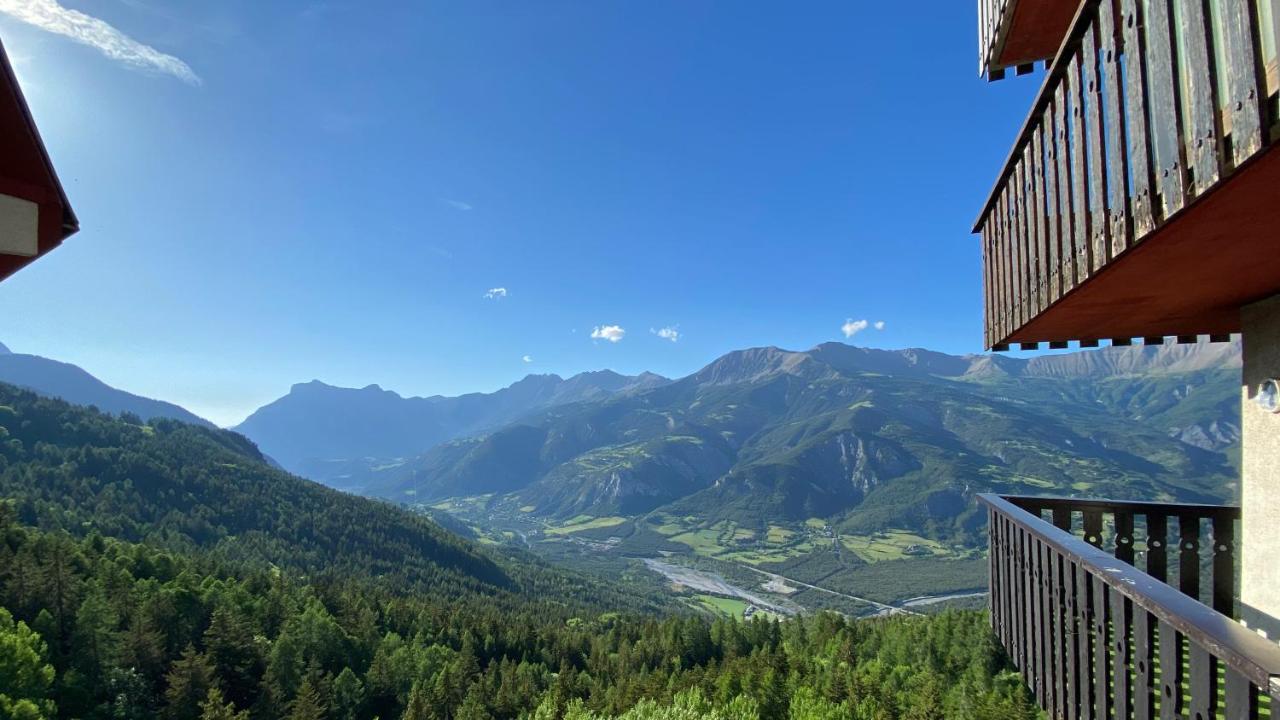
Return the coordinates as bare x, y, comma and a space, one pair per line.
167, 570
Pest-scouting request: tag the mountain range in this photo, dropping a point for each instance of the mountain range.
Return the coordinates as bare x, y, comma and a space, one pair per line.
52, 378
866, 438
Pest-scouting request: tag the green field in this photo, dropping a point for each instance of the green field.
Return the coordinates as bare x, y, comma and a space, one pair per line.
585, 522
893, 545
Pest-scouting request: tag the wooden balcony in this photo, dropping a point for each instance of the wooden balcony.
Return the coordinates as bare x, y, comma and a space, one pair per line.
1140, 197
1018, 33
1097, 637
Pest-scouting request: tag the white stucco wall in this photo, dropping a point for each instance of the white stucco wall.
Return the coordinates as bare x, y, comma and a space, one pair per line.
1260, 542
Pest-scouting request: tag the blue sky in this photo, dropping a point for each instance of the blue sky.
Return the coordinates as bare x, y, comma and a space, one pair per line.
272, 192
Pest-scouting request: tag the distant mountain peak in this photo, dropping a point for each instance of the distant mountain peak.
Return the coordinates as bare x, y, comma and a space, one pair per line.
4, 350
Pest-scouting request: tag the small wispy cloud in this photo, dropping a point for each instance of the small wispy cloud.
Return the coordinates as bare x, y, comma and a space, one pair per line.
495, 293
455, 204
667, 333
527, 358
852, 327
85, 29
612, 333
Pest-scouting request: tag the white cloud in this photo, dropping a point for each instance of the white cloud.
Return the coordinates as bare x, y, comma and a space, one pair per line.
50, 16
879, 325
852, 327
667, 333
612, 333
495, 293
455, 204
527, 358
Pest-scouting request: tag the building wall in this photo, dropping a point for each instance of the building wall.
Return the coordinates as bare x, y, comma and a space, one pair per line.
1260, 496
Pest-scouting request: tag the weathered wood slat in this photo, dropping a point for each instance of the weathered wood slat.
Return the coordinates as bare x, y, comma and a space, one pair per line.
1243, 69
987, 293
1120, 681
1241, 697
1052, 207
1136, 119
1202, 132
1066, 271
1189, 555
1040, 619
1039, 180
1101, 670
1166, 121
1079, 176
1035, 219
1170, 673
1224, 566
1203, 683
1093, 527
1117, 167
1124, 536
1020, 244
1061, 617
1157, 546
1050, 664
1098, 172
1084, 642
1144, 644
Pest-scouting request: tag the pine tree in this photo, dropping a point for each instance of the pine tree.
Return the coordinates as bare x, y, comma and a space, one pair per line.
348, 695
230, 646
308, 704
189, 680
215, 707
419, 706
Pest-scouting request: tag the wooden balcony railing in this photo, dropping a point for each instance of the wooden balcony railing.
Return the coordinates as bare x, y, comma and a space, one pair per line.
993, 22
1096, 637
1148, 105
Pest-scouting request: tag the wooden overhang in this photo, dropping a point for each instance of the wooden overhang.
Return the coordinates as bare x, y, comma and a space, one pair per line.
27, 181
1019, 33
1149, 211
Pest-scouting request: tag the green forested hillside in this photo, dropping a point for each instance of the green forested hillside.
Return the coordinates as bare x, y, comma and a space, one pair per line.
190, 488
163, 570
102, 628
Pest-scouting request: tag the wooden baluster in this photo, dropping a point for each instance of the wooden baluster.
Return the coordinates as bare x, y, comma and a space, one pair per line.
1157, 547
1049, 616
1137, 121
1101, 662
993, 559
1031, 188
1097, 156
1061, 634
1242, 697
1189, 555
1201, 96
1040, 236
1120, 618
1079, 175
1062, 518
1224, 565
1117, 166
1203, 683
1166, 120
1170, 673
1066, 266
1053, 227
1093, 527
1124, 536
1020, 244
1243, 71
1084, 636
1038, 620
1143, 643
